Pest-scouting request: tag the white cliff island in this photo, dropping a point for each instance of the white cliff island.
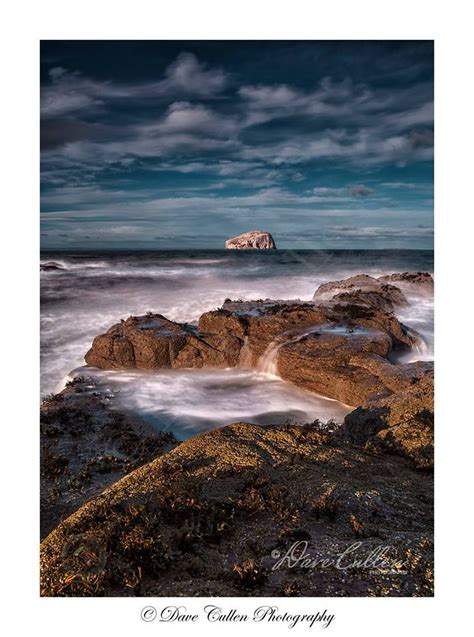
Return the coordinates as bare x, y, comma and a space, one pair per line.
253, 240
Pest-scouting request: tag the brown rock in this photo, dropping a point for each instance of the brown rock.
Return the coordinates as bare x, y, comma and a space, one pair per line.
262, 322
356, 313
374, 289
421, 282
349, 366
259, 323
211, 517
401, 423
154, 342
376, 300
335, 348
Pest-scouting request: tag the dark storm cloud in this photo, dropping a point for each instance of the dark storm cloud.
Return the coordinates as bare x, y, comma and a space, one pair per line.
70, 92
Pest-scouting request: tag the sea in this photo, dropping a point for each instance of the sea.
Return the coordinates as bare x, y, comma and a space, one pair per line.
94, 290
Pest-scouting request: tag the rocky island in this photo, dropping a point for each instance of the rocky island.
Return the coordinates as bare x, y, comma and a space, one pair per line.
252, 240
151, 516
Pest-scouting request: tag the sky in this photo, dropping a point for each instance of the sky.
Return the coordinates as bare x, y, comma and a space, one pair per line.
184, 144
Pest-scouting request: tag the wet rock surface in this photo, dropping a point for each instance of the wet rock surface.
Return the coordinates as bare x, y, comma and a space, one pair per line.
341, 348
376, 289
410, 281
154, 342
338, 348
348, 367
86, 445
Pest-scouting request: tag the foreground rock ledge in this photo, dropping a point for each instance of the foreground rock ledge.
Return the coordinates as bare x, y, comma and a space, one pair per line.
210, 517
253, 240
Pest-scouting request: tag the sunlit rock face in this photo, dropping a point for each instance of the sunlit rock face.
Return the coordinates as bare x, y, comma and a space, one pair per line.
253, 240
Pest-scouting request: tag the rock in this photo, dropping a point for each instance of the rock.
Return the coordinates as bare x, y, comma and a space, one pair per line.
411, 281
349, 366
253, 240
401, 423
372, 290
153, 342
51, 266
323, 362
339, 348
376, 300
353, 312
86, 445
335, 348
207, 517
213, 517
259, 323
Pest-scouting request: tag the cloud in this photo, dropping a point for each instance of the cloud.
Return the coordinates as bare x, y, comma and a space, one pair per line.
184, 127
197, 119
85, 195
340, 121
287, 142
404, 185
66, 98
71, 93
324, 191
79, 202
189, 76
407, 185
366, 146
354, 103
381, 231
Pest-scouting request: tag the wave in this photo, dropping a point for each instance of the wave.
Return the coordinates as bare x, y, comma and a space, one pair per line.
188, 402
97, 290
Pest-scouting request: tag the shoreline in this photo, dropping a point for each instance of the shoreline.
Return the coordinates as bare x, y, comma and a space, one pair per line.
158, 500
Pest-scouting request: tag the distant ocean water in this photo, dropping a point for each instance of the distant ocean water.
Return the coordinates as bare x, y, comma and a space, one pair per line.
95, 289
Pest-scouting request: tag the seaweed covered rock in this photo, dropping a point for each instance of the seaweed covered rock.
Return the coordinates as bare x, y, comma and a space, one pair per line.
401, 423
86, 445
215, 515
